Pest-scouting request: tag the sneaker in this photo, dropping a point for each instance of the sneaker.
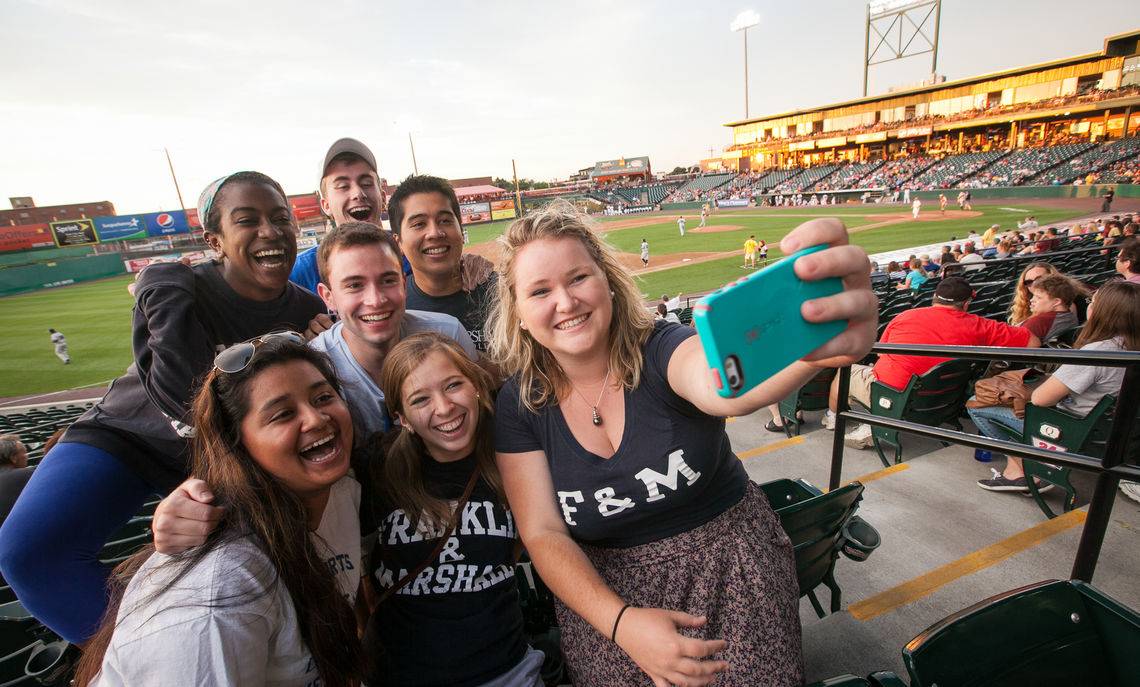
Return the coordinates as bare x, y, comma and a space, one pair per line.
1131, 490
1000, 482
829, 420
860, 437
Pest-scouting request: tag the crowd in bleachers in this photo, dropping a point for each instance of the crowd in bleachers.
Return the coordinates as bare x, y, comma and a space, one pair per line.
1033, 287
699, 187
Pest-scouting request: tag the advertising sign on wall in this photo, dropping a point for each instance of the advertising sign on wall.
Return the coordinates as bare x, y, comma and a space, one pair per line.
166, 223
502, 214
473, 213
26, 237
75, 232
732, 203
120, 227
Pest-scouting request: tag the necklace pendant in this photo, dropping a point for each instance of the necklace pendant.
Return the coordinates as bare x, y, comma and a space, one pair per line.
597, 418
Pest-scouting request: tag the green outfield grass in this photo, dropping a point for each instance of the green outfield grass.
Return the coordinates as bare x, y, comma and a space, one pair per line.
96, 317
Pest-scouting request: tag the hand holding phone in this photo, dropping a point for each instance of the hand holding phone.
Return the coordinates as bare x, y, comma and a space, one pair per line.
753, 328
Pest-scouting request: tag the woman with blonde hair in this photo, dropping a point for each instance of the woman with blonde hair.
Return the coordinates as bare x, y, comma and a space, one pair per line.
669, 566
1020, 310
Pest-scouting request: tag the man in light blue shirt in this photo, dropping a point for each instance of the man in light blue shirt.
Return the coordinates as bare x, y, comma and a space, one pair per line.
363, 283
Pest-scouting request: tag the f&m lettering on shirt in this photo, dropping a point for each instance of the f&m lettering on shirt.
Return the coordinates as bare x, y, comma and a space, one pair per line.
564, 498
653, 479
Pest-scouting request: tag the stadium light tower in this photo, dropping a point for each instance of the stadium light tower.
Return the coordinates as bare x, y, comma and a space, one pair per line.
744, 21
889, 19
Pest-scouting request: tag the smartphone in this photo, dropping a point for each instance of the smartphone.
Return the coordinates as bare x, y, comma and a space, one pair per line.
752, 328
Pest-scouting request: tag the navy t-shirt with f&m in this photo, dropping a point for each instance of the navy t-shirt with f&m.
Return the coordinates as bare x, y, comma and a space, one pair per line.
673, 471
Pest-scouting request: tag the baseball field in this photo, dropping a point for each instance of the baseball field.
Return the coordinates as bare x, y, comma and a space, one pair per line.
96, 316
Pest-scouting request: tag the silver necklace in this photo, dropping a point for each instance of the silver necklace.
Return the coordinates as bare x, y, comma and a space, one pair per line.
596, 418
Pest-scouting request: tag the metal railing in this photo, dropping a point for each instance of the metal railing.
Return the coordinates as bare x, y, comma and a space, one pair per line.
1109, 470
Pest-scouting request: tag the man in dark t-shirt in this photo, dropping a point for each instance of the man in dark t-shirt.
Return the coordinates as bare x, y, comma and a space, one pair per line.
424, 213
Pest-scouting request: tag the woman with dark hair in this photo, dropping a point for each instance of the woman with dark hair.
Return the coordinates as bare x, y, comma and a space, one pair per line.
134, 443
669, 566
255, 605
448, 610
1113, 325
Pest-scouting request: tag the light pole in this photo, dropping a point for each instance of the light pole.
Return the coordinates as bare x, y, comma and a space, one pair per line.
744, 21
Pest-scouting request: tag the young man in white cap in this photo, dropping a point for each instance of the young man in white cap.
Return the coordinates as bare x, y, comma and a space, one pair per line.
350, 192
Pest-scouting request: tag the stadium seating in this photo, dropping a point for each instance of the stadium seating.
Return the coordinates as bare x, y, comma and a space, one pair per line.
698, 186
1046, 634
934, 399
896, 173
1023, 164
815, 522
774, 178
847, 177
947, 171
811, 396
807, 179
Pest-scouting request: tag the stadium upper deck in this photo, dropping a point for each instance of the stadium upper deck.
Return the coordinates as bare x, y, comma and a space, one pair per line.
1084, 98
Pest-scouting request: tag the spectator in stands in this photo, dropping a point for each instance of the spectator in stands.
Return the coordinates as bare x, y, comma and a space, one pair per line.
1113, 325
616, 371
946, 256
990, 235
133, 443
915, 278
929, 265
946, 322
424, 213
1019, 310
362, 283
1128, 260
350, 192
256, 603
667, 315
671, 304
895, 271
878, 276
1051, 305
14, 472
1004, 249
971, 259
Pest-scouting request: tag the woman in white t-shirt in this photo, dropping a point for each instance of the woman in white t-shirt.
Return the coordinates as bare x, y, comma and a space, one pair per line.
254, 605
1113, 325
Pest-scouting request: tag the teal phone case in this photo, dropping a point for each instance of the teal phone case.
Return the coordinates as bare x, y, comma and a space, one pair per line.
752, 328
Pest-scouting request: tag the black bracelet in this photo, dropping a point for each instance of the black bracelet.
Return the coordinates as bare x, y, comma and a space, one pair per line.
613, 635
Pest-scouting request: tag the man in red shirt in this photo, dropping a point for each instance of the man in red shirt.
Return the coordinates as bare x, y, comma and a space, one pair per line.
947, 323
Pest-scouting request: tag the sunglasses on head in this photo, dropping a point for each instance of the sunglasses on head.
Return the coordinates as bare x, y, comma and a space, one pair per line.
237, 357
1028, 283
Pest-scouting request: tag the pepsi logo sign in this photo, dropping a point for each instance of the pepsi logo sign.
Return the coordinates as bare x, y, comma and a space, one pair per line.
164, 220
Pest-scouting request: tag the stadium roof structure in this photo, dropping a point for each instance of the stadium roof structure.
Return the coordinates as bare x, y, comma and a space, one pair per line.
1112, 48
624, 166
481, 190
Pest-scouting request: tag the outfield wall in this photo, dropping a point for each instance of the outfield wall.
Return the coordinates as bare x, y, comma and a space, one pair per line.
29, 257
1090, 192
59, 272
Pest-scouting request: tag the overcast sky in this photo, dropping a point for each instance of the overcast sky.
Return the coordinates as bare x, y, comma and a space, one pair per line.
91, 91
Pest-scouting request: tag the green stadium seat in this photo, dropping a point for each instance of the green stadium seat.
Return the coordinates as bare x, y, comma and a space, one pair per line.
814, 522
1050, 427
809, 397
936, 398
1049, 634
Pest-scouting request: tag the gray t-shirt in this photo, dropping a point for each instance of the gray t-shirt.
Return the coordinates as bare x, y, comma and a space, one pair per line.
226, 622
1088, 383
363, 394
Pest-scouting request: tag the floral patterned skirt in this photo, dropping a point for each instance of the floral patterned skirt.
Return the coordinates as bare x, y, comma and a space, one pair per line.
738, 570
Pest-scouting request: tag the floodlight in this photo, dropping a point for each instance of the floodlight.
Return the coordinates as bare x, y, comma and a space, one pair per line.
745, 20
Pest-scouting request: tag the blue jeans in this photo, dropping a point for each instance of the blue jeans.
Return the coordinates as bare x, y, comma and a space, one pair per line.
77, 498
989, 419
